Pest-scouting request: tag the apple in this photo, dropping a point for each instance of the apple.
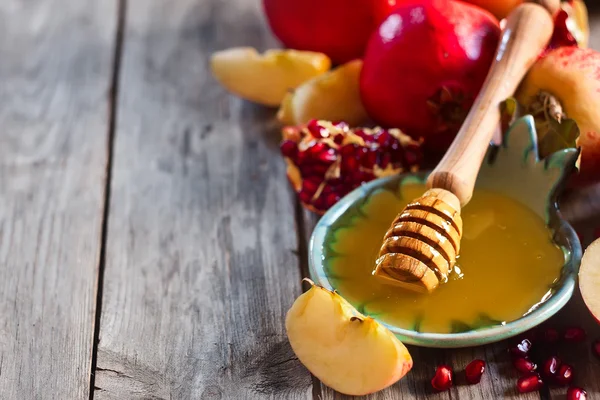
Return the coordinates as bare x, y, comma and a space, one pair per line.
265, 78
333, 96
338, 28
589, 278
349, 352
572, 76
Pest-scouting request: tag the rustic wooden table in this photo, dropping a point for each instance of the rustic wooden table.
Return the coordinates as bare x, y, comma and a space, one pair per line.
149, 243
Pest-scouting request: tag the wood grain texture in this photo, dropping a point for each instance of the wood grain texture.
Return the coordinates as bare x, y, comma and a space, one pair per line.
55, 74
201, 258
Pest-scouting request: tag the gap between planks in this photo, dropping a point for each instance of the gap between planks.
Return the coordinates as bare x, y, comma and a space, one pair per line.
113, 97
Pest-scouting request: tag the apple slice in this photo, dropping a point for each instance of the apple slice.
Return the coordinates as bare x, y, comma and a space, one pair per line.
266, 78
589, 278
347, 351
333, 96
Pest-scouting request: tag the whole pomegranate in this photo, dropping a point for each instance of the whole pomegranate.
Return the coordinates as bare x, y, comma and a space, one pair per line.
424, 66
338, 28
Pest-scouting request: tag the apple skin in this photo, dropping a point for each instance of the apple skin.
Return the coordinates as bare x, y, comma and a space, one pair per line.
338, 28
572, 75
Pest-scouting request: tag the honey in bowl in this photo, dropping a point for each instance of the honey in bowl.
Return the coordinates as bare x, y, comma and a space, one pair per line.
507, 265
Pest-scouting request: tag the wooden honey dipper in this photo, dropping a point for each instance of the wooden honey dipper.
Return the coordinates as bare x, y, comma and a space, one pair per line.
420, 248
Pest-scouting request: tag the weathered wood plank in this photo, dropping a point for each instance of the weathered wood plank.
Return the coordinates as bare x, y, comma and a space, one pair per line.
55, 74
200, 264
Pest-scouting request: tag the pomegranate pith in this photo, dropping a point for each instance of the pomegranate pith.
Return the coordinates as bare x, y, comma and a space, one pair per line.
474, 371
551, 367
328, 160
524, 365
443, 378
576, 393
423, 68
564, 376
574, 335
530, 383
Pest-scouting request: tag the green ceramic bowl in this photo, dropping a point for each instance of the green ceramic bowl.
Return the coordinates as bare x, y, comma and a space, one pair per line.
512, 169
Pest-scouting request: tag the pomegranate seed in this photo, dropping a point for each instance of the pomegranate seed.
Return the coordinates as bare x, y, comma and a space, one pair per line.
365, 136
576, 393
550, 336
443, 378
551, 367
289, 149
313, 170
529, 383
524, 365
564, 376
310, 186
331, 199
522, 348
385, 139
305, 197
341, 125
369, 159
338, 139
474, 371
574, 335
384, 160
596, 348
316, 130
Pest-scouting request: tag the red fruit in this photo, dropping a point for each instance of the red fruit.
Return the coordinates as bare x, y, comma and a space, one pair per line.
550, 336
524, 365
338, 28
443, 378
564, 376
425, 65
551, 367
474, 371
574, 335
576, 393
521, 349
596, 348
326, 161
529, 383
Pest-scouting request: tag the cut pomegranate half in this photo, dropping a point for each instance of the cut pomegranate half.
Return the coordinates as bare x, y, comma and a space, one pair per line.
336, 159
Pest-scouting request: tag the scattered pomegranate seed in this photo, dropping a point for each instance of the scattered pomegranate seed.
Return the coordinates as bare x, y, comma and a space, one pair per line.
474, 371
551, 367
522, 348
524, 365
564, 376
574, 335
443, 378
529, 383
596, 348
576, 393
550, 336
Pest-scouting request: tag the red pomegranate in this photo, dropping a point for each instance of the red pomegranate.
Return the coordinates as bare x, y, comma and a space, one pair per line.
424, 66
338, 28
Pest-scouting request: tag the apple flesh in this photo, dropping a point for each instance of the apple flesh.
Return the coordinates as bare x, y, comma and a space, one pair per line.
266, 78
333, 96
350, 353
589, 278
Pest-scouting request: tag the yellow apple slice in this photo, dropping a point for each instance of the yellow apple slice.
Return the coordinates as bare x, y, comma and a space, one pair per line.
350, 353
266, 78
333, 96
589, 278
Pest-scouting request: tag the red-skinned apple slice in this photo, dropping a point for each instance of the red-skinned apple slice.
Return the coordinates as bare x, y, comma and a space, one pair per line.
589, 278
350, 353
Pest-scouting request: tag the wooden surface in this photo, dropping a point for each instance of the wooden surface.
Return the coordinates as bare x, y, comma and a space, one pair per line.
149, 243
55, 73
